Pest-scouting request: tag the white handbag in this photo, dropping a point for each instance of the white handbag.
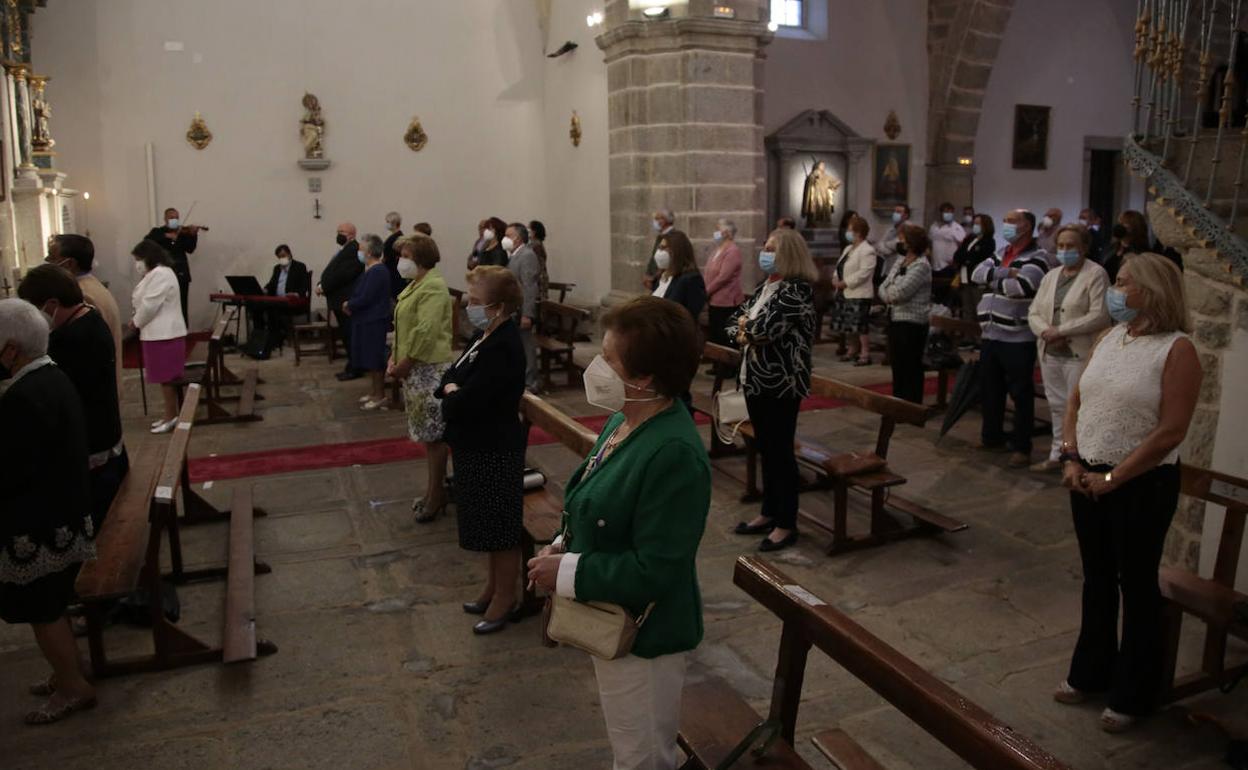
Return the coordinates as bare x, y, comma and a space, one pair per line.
729, 410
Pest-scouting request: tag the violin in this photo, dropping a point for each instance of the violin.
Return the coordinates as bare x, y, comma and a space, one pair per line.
192, 229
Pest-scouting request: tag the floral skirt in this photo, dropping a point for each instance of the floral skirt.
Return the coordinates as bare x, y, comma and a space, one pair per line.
424, 412
851, 316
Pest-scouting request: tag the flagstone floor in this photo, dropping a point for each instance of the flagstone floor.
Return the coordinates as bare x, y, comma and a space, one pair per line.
377, 666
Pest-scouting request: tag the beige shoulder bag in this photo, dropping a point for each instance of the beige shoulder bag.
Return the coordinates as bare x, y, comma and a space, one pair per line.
602, 629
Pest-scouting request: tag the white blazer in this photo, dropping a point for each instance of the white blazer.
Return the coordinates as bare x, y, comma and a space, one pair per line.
1083, 311
158, 306
859, 269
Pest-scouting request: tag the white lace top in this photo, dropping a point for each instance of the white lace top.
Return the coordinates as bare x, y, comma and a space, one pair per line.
1120, 395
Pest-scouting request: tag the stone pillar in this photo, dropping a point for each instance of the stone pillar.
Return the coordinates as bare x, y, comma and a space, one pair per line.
685, 119
26, 167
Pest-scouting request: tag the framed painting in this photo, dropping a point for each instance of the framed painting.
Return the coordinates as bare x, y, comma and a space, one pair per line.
890, 175
1031, 137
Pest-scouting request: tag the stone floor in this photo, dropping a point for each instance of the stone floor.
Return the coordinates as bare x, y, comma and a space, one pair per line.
377, 667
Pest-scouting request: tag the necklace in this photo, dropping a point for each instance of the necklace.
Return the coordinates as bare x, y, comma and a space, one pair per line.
1127, 337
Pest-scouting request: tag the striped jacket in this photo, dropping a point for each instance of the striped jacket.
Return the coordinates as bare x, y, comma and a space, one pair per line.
1008, 292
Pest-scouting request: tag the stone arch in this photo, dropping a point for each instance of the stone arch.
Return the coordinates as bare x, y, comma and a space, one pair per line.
963, 40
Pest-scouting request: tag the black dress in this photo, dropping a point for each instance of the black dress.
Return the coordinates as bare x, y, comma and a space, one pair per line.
486, 438
45, 496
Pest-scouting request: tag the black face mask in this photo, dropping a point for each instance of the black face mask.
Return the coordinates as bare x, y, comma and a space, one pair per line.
1119, 231
341, 240
4, 370
901, 248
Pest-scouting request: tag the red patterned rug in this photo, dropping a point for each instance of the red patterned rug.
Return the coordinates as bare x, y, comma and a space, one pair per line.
397, 449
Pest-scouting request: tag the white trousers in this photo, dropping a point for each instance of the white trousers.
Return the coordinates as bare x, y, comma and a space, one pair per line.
1061, 375
641, 704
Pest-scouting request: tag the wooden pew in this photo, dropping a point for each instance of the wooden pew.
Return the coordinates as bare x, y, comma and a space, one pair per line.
964, 728
822, 461
129, 557
727, 361
556, 341
1209, 600
958, 331
564, 290
543, 510
214, 375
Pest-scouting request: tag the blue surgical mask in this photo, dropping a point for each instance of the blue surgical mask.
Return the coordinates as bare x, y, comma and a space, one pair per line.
896, 217
717, 236
850, 236
360, 256
977, 228
1068, 258
947, 216
1116, 303
174, 224
1009, 231
478, 317
767, 261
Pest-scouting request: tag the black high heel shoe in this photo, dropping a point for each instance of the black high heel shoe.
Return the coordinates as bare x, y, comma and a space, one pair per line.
476, 608
778, 545
424, 515
484, 627
744, 528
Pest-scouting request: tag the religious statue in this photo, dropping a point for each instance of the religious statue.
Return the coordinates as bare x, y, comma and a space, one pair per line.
575, 131
41, 135
312, 128
819, 195
415, 138
198, 134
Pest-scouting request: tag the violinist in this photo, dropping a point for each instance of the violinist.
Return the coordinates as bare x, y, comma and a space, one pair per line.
179, 240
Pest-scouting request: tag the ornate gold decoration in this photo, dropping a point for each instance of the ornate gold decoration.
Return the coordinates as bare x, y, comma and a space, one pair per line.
575, 131
892, 126
41, 112
415, 137
312, 128
198, 135
16, 47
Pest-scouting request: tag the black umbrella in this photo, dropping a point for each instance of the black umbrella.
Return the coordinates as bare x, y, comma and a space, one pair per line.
965, 395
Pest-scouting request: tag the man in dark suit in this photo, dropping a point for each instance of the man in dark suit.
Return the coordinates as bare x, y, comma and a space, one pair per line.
290, 277
336, 283
390, 255
179, 241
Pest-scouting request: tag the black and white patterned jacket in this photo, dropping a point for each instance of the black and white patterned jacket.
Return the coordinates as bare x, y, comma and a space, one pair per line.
777, 353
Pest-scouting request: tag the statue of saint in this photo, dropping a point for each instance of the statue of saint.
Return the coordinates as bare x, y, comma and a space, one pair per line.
818, 196
312, 128
42, 137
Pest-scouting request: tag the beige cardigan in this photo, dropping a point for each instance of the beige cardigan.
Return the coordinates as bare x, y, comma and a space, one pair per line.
859, 270
1083, 311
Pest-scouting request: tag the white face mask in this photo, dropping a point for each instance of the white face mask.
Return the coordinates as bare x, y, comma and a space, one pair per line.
487, 235
1046, 223
140, 267
604, 388
407, 268
662, 259
508, 244
283, 261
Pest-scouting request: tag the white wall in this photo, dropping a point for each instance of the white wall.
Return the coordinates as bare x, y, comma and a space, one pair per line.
472, 70
1074, 56
873, 60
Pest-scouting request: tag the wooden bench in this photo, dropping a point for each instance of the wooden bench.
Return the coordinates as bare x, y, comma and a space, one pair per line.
318, 337
564, 290
543, 510
1211, 600
958, 331
206, 366
714, 718
556, 341
128, 556
727, 362
822, 462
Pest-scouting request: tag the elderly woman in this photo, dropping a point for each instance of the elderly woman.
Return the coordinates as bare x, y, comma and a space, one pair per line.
45, 503
854, 282
1125, 422
774, 330
480, 396
369, 309
722, 276
1066, 316
82, 346
907, 290
422, 354
162, 331
679, 279
488, 249
634, 515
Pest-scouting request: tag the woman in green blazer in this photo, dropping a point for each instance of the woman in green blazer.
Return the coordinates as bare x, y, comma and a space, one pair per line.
422, 354
634, 515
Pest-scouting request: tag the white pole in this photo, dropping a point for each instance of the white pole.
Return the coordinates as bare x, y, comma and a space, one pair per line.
150, 151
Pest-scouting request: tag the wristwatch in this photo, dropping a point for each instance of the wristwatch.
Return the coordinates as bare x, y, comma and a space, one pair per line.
1109, 477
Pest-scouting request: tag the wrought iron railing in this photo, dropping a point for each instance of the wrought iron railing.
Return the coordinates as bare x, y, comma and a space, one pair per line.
1191, 96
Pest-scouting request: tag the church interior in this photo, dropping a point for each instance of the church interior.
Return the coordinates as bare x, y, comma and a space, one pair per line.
273, 585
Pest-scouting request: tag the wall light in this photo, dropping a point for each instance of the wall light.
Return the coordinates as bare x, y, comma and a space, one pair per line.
655, 11
772, 26
86, 196
964, 161
724, 12
594, 19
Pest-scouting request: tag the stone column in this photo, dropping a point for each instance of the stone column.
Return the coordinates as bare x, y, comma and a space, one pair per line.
27, 167
685, 118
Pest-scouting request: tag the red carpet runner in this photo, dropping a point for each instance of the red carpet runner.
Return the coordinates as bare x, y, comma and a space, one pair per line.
393, 450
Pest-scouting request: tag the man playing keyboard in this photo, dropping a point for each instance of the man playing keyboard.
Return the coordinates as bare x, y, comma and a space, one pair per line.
290, 277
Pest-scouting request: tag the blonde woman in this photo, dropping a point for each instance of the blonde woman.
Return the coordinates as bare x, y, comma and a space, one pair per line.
1126, 419
1066, 316
855, 273
774, 329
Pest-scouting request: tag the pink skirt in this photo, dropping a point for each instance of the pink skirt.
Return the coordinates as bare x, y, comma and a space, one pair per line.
164, 360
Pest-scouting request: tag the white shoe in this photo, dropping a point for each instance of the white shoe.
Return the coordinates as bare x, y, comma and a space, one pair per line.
1067, 694
368, 406
1114, 722
364, 399
165, 427
157, 423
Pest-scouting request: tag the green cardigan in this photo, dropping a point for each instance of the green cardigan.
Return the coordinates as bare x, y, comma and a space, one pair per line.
422, 321
637, 521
